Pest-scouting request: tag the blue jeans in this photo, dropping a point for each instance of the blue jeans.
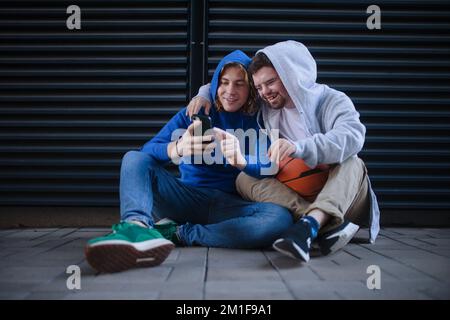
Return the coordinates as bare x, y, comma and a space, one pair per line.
208, 217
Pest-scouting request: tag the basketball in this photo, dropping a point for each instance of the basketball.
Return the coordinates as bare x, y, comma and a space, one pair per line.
306, 181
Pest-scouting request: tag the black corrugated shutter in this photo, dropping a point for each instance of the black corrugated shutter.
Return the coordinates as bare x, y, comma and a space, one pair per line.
398, 78
73, 102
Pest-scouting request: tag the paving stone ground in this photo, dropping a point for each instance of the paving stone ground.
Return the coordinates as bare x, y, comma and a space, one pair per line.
414, 263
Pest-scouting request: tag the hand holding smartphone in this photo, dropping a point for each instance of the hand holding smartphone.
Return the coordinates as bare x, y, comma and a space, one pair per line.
205, 120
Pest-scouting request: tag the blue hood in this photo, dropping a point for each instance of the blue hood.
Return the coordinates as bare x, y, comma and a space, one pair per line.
235, 56
220, 176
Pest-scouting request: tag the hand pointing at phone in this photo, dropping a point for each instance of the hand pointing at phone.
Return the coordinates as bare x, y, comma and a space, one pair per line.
229, 145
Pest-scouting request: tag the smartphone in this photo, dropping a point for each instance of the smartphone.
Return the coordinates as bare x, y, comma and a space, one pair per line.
206, 122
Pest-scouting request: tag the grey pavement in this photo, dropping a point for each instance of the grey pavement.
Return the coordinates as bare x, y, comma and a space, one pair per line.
414, 263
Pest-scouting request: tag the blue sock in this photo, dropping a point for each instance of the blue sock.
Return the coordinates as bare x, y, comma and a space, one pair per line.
313, 224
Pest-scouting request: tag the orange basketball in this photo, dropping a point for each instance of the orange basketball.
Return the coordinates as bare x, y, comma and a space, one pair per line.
307, 182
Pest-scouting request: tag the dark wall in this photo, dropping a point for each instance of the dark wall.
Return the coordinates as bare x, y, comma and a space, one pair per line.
72, 102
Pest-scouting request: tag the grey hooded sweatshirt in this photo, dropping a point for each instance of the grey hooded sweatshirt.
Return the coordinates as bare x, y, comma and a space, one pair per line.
334, 131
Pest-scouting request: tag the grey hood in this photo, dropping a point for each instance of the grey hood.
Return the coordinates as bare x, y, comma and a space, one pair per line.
298, 71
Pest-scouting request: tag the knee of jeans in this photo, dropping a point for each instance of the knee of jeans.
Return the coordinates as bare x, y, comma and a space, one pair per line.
280, 216
136, 158
277, 220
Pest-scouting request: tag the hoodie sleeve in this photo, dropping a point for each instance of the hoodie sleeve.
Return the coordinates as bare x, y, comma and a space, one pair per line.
157, 146
204, 92
344, 133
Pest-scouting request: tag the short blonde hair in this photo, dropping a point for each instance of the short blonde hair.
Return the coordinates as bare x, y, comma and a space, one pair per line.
250, 107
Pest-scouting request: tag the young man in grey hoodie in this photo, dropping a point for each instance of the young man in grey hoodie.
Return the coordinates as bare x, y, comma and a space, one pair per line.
321, 126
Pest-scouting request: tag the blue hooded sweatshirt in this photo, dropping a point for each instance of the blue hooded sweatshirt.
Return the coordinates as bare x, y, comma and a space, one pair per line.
216, 176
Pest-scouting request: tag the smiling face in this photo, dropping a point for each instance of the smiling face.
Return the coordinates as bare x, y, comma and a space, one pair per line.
270, 88
233, 88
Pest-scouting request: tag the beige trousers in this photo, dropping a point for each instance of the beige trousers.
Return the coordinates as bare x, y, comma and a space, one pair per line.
345, 194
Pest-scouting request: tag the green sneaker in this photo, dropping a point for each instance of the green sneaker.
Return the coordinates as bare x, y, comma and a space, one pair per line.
128, 246
168, 229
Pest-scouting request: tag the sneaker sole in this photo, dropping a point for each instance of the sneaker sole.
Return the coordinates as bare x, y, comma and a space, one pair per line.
290, 249
343, 241
114, 257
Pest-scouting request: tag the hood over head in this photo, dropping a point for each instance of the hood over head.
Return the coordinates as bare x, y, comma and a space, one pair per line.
235, 56
298, 71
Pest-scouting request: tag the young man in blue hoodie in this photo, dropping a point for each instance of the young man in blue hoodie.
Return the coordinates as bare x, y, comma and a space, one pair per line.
321, 126
203, 201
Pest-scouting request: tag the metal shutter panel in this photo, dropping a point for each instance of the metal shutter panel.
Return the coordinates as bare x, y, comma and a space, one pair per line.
398, 77
72, 102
